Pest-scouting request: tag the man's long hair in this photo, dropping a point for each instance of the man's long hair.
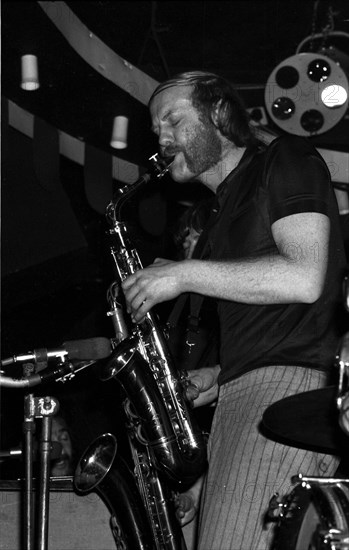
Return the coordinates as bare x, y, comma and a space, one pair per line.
211, 92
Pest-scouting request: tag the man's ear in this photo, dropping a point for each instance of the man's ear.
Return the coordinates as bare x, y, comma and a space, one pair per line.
215, 112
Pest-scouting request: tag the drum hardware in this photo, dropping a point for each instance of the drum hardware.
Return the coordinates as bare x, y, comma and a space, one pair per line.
310, 481
314, 516
343, 384
335, 539
275, 509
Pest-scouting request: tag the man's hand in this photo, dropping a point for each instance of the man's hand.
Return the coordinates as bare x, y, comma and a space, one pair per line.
203, 387
187, 504
161, 281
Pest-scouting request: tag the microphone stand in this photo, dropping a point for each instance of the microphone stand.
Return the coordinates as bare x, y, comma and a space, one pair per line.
44, 480
45, 408
29, 430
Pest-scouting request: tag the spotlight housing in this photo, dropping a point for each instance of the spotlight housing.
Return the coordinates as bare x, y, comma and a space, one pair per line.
307, 94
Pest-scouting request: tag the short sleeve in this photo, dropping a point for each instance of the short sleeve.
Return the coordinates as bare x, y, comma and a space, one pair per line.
296, 178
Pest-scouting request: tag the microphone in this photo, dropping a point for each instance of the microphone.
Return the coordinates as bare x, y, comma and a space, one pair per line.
83, 350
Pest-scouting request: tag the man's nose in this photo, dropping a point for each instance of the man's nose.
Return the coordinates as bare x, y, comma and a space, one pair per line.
165, 139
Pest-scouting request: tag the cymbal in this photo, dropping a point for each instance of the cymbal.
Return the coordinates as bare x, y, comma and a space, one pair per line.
307, 420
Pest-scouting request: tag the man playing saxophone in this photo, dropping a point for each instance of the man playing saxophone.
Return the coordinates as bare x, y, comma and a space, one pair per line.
273, 259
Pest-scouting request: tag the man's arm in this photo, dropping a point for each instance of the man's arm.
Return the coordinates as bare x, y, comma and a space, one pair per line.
295, 274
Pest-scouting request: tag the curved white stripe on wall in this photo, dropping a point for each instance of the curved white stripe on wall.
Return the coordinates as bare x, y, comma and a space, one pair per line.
97, 54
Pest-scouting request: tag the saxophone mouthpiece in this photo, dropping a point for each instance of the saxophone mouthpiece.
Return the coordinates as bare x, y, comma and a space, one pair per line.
161, 164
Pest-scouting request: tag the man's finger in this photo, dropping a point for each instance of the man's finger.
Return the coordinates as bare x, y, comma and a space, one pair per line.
192, 391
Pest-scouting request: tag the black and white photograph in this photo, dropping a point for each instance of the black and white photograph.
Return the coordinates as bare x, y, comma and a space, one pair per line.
174, 275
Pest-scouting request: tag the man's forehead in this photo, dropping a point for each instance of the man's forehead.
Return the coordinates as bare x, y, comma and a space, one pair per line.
171, 98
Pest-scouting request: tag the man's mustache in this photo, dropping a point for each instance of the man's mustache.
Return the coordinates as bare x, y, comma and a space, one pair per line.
171, 151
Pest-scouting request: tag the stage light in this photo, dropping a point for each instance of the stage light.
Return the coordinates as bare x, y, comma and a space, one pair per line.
319, 70
334, 96
283, 108
307, 94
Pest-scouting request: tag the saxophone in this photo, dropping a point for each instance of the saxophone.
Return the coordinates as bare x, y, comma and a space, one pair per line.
142, 363
167, 448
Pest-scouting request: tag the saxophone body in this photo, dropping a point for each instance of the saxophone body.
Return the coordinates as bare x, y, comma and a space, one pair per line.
143, 365
157, 496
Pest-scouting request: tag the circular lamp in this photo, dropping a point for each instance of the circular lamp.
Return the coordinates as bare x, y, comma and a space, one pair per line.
307, 94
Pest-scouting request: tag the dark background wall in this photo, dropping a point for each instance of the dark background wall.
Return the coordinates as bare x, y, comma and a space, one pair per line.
56, 269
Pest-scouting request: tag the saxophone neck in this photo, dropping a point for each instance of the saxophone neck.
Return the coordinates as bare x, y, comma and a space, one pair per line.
159, 167
113, 211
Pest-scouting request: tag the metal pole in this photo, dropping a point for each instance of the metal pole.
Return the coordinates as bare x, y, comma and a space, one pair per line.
28, 429
44, 477
48, 408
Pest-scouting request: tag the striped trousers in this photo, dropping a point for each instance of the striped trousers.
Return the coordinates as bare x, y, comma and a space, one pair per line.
245, 468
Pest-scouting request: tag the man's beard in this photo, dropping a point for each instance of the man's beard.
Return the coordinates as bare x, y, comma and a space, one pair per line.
203, 150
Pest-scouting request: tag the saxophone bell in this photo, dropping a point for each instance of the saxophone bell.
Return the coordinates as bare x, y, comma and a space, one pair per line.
95, 463
180, 455
103, 471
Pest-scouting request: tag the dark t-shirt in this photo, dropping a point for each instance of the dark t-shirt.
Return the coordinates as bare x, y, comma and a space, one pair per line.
287, 177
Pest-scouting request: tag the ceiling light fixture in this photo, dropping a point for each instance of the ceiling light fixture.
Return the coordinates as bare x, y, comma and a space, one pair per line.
119, 135
30, 74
